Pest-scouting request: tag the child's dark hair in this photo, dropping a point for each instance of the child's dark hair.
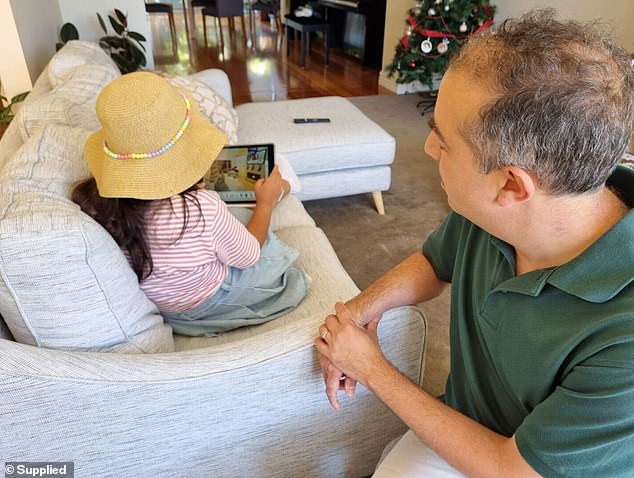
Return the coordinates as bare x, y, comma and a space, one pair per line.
124, 219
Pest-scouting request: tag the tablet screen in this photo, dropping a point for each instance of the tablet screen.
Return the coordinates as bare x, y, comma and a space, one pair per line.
236, 169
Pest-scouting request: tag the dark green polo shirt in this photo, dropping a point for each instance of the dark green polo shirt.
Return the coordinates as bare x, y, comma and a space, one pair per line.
547, 355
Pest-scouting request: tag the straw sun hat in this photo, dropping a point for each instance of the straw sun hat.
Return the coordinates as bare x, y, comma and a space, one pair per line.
154, 142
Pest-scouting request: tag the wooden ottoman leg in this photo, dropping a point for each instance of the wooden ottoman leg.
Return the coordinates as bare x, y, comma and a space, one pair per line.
378, 202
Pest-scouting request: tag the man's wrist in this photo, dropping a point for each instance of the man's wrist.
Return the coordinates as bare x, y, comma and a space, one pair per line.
382, 375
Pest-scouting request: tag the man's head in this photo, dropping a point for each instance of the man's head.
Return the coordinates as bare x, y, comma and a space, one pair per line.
559, 102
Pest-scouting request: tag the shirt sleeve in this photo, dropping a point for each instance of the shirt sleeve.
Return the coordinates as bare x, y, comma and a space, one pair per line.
586, 426
235, 245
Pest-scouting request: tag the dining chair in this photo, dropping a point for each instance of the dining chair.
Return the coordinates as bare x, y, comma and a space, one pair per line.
225, 9
159, 7
268, 7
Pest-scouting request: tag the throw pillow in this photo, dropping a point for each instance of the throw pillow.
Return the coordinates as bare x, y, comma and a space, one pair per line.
211, 104
71, 102
65, 284
77, 53
52, 160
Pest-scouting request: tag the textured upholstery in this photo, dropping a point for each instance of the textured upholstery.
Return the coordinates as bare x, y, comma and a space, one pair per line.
246, 403
77, 53
71, 102
350, 155
211, 104
197, 413
65, 283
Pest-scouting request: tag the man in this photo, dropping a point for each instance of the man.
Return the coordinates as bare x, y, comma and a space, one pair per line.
531, 120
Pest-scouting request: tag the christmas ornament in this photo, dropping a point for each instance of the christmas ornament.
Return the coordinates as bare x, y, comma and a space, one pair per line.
433, 29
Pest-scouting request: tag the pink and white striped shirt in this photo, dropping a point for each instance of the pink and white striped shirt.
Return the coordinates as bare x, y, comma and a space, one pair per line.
188, 270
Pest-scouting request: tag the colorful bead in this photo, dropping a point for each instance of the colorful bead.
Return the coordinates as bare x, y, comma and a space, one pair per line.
163, 149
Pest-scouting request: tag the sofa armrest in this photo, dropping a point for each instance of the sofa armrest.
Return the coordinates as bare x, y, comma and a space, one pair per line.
217, 80
184, 414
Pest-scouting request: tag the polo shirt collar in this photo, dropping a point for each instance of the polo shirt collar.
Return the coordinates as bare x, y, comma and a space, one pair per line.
594, 276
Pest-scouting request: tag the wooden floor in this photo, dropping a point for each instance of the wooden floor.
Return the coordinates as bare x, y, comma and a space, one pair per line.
256, 63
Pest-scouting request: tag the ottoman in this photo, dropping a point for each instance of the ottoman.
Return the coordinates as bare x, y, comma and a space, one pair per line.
349, 155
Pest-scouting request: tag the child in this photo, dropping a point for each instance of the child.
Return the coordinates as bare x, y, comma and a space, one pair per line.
205, 270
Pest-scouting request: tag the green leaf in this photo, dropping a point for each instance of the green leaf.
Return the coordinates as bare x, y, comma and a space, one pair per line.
136, 43
20, 97
68, 32
137, 36
102, 23
116, 26
5, 115
123, 19
137, 55
104, 44
125, 65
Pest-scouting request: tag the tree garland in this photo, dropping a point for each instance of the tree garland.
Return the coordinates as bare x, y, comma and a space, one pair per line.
434, 30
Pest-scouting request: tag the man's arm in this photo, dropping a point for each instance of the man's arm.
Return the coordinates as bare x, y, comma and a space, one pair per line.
462, 442
410, 282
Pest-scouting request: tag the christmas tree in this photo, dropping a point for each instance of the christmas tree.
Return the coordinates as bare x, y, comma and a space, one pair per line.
436, 29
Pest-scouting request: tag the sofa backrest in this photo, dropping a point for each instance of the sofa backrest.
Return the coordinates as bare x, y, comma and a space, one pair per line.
64, 282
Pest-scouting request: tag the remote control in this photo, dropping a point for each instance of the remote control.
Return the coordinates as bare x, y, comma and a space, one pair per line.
311, 120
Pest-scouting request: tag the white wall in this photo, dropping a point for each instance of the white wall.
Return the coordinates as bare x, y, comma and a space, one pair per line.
37, 23
618, 14
14, 72
29, 30
395, 16
83, 14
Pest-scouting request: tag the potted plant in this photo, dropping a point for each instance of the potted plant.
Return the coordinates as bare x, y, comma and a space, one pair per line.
6, 112
124, 46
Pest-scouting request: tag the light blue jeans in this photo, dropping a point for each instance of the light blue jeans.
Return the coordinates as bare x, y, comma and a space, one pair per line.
270, 288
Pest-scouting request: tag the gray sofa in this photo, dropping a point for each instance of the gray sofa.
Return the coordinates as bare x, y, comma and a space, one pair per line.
89, 373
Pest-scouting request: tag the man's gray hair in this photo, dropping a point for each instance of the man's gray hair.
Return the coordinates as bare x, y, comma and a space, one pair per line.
562, 100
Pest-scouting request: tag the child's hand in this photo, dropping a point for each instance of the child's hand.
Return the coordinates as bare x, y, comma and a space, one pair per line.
269, 191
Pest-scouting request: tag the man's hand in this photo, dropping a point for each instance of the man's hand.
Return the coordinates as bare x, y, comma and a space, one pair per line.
346, 348
335, 380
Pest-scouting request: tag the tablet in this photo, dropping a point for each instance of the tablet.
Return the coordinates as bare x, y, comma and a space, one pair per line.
236, 169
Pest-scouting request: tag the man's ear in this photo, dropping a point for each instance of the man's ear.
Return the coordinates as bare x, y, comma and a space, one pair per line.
516, 185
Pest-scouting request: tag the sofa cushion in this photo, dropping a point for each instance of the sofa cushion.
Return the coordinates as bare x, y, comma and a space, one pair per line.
74, 54
52, 160
211, 104
350, 140
5, 333
64, 283
289, 212
71, 102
